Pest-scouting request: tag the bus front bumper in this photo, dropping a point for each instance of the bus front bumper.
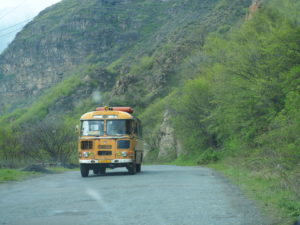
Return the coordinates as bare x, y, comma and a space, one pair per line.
105, 161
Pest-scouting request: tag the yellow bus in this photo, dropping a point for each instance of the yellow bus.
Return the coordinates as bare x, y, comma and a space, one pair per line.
110, 137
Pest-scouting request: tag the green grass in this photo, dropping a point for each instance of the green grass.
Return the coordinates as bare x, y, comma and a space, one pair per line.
13, 175
265, 188
198, 158
186, 160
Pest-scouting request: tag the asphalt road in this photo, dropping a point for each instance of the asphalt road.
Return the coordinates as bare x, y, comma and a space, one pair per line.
159, 195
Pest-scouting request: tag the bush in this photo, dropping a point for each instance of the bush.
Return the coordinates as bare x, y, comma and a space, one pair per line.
208, 156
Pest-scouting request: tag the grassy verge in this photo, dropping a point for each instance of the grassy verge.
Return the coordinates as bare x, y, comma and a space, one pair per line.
276, 202
196, 159
15, 174
12, 174
275, 199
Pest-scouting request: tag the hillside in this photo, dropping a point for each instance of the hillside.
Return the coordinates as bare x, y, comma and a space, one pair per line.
75, 50
241, 111
135, 56
213, 81
76, 33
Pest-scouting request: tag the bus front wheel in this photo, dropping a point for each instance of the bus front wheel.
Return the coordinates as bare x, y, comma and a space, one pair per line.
96, 171
138, 168
84, 170
131, 168
102, 170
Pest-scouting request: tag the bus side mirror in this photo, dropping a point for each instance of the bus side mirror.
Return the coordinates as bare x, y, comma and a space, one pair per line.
77, 129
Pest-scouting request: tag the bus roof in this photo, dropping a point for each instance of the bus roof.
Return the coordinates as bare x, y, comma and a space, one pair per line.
96, 115
123, 109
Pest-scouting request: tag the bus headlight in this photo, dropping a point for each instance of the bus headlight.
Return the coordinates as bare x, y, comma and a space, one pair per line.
124, 154
85, 154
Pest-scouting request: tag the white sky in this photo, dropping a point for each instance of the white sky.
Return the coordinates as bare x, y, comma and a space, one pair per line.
18, 12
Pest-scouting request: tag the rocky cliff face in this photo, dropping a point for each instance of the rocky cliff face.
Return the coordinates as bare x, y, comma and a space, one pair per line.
66, 35
253, 8
169, 146
73, 32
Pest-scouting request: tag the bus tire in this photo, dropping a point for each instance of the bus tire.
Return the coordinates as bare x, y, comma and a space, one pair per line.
138, 168
131, 168
96, 171
102, 170
84, 170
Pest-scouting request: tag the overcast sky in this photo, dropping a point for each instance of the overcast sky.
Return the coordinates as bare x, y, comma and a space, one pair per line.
14, 14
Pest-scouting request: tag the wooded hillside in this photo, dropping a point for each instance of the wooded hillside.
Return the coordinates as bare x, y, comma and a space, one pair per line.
212, 81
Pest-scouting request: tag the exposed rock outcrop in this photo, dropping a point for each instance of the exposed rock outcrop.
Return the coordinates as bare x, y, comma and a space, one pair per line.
253, 9
61, 38
169, 146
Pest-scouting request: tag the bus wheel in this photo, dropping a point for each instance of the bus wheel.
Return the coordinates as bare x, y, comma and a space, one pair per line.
102, 170
131, 168
96, 171
84, 169
138, 168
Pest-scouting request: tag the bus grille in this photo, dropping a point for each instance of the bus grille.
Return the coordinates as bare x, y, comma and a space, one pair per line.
123, 144
104, 153
104, 146
86, 145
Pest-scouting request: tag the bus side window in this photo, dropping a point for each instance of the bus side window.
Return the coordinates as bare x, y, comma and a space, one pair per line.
135, 129
139, 130
84, 128
129, 127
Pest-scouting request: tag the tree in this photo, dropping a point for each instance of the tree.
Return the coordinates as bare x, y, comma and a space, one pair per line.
9, 148
49, 140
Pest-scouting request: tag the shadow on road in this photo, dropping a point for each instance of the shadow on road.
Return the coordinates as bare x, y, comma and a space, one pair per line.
125, 173
111, 174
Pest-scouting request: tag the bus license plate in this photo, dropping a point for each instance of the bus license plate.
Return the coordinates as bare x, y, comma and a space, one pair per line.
104, 161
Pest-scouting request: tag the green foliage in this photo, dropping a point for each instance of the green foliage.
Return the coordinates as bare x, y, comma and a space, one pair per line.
246, 105
198, 158
10, 174
263, 186
50, 141
187, 159
251, 68
39, 109
230, 91
112, 67
208, 156
72, 119
143, 65
247, 78
292, 206
18, 128
152, 118
281, 142
151, 156
192, 108
10, 149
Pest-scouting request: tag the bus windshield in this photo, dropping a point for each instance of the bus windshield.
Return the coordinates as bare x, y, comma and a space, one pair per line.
92, 128
118, 127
